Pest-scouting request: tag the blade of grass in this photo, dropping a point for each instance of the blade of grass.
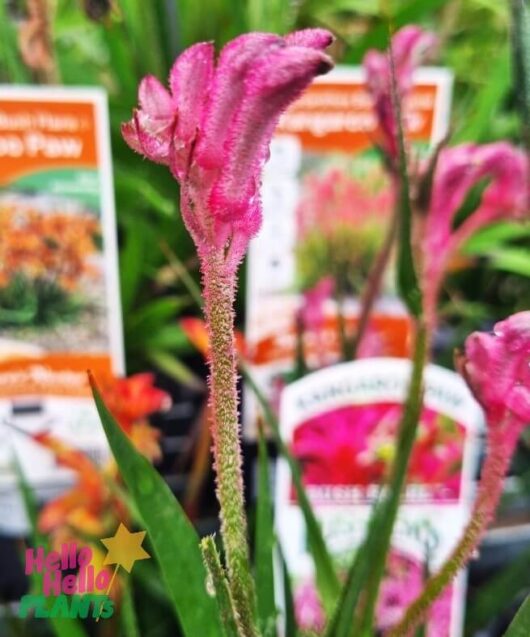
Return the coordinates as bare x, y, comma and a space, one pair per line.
520, 627
327, 581
173, 538
264, 544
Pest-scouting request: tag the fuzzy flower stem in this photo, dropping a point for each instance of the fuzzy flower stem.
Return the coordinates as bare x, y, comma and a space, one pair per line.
219, 292
490, 489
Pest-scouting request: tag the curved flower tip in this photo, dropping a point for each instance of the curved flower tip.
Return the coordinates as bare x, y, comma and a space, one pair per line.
502, 168
409, 46
213, 127
496, 367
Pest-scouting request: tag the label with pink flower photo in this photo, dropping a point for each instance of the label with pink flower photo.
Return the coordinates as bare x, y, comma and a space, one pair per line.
340, 423
328, 199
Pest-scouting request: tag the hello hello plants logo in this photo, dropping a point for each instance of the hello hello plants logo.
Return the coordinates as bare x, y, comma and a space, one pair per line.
70, 586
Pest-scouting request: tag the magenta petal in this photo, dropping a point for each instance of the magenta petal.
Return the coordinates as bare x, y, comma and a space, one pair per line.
155, 142
190, 80
236, 58
312, 38
154, 99
270, 87
497, 368
130, 135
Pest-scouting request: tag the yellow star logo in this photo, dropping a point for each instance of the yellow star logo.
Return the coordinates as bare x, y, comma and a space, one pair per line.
125, 548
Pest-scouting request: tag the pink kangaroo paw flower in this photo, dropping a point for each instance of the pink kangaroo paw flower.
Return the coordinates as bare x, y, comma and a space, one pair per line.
458, 170
497, 369
410, 46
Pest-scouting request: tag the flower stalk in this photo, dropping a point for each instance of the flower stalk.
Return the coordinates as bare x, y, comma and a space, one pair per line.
219, 292
495, 466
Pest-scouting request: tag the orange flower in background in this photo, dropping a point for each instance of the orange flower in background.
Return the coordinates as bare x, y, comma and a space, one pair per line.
197, 333
52, 246
91, 506
85, 507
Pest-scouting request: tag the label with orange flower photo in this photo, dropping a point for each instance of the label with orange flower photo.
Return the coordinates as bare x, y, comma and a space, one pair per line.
59, 291
327, 208
341, 425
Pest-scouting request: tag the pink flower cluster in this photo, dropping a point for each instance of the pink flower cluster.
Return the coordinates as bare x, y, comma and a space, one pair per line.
214, 124
334, 199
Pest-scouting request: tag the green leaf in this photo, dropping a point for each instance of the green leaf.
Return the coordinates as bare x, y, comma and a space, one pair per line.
276, 16
291, 628
264, 545
172, 536
521, 62
132, 185
497, 594
152, 316
128, 617
520, 627
12, 67
514, 260
172, 366
407, 280
368, 566
327, 581
131, 263
495, 235
487, 101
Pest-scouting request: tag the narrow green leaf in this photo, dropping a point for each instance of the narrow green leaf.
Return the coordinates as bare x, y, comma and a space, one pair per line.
520, 627
149, 317
172, 366
128, 617
172, 536
131, 264
264, 545
327, 581
130, 184
407, 280
521, 62
488, 100
288, 604
220, 585
12, 67
367, 568
497, 594
514, 260
495, 235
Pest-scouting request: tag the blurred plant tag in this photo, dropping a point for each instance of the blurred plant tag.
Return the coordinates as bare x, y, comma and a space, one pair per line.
341, 424
59, 292
327, 204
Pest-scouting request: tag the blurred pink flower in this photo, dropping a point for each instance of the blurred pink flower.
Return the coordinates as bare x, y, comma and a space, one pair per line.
497, 368
409, 47
458, 171
313, 300
402, 583
308, 609
213, 127
334, 199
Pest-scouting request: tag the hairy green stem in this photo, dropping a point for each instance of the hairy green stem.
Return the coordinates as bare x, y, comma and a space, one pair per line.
219, 294
490, 490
